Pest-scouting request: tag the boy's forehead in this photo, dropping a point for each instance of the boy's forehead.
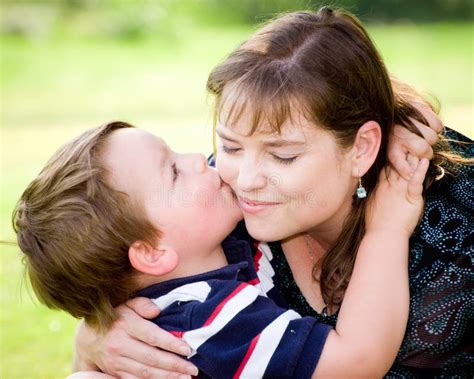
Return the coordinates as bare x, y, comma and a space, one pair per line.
130, 139
134, 157
130, 149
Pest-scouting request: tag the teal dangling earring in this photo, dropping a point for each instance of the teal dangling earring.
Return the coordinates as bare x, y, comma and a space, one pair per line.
360, 191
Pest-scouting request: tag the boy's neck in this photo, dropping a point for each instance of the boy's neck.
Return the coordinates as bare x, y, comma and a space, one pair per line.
187, 267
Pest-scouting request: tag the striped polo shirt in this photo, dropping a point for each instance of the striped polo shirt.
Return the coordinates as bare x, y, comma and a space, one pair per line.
236, 322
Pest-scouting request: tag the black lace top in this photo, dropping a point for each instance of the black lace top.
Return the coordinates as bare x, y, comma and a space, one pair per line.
439, 341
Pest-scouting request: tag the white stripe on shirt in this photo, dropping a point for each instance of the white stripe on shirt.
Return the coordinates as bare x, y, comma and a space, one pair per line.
267, 345
237, 303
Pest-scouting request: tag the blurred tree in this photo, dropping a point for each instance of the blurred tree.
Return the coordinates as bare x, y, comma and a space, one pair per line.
135, 19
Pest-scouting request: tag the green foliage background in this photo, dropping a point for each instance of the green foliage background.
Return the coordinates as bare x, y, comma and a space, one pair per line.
71, 65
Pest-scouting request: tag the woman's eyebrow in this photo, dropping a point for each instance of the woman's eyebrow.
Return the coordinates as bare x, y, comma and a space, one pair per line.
221, 133
270, 143
283, 142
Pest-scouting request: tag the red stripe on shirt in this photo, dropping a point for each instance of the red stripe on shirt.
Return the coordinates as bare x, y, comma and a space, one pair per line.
177, 333
247, 356
254, 282
224, 302
256, 259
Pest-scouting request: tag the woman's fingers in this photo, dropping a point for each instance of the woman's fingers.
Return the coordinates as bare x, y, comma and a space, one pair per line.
415, 184
144, 307
134, 369
90, 375
137, 356
150, 333
134, 338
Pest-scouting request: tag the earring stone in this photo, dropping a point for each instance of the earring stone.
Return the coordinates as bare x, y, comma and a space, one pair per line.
360, 191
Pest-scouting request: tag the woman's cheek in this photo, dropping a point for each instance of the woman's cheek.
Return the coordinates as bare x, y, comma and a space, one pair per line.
228, 171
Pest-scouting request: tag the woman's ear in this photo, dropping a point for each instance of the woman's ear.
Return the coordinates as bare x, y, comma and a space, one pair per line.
152, 260
366, 147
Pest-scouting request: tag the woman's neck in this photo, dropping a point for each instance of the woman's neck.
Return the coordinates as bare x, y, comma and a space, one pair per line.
327, 233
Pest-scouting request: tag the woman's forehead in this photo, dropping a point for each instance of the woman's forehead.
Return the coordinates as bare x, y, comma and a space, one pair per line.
289, 131
247, 110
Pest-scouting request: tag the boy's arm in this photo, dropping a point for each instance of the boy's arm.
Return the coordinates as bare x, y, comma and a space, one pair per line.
374, 313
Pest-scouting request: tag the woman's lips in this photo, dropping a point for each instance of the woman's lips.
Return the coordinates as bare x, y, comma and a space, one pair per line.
254, 206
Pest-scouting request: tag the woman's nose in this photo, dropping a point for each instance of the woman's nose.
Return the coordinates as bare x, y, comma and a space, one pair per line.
250, 177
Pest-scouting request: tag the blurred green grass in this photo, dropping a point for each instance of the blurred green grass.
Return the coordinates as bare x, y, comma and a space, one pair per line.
52, 89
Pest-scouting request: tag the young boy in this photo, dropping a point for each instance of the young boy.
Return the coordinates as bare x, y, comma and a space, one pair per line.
115, 213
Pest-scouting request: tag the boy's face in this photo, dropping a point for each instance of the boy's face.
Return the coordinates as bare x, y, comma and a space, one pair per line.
183, 197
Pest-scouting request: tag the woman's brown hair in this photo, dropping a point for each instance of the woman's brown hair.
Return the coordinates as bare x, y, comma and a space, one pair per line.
75, 230
323, 65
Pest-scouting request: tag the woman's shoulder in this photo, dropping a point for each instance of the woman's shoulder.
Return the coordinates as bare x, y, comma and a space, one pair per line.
441, 254
446, 229
447, 223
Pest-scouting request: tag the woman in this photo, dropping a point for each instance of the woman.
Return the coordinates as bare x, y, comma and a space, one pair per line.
305, 108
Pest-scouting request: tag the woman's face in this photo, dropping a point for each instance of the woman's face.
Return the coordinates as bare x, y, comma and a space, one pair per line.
289, 183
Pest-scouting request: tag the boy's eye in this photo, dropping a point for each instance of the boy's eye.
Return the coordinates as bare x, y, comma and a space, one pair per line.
229, 150
175, 172
284, 160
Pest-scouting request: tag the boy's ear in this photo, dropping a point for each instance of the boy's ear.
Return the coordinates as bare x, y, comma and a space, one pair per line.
152, 260
366, 147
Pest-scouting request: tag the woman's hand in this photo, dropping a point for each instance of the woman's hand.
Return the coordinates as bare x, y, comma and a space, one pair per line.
397, 203
129, 348
403, 143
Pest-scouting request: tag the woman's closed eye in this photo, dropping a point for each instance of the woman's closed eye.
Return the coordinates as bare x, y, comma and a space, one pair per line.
230, 150
284, 159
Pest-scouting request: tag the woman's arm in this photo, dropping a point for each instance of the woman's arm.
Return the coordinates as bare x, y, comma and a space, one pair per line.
374, 313
132, 346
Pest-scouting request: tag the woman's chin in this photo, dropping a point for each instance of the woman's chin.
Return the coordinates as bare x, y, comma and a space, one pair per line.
264, 233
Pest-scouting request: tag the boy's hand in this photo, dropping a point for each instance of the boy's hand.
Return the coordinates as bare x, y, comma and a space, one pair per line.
397, 204
403, 143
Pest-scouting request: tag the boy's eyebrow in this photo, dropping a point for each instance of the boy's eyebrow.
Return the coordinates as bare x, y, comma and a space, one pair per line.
270, 143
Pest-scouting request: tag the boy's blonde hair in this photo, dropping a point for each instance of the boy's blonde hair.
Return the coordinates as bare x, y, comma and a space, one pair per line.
75, 231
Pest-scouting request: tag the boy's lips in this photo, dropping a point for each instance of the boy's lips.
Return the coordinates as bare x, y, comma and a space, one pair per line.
223, 184
254, 206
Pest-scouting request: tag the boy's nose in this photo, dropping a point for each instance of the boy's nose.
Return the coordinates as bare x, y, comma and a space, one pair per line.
199, 163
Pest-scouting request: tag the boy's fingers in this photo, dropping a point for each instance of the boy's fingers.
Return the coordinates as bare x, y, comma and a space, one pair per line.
413, 162
144, 307
415, 185
399, 162
390, 175
412, 143
429, 134
434, 122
